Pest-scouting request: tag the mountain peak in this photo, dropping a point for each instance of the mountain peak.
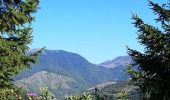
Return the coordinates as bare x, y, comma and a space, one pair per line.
118, 61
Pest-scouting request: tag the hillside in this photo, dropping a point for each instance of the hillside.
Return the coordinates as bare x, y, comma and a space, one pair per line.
66, 73
57, 84
118, 67
112, 91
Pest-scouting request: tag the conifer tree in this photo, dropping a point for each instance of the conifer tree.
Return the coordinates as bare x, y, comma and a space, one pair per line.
153, 73
15, 36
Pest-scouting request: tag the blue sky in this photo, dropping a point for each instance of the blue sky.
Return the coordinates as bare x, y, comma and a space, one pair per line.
98, 30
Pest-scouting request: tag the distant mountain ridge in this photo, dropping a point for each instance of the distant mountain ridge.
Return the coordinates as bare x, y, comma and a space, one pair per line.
58, 67
118, 61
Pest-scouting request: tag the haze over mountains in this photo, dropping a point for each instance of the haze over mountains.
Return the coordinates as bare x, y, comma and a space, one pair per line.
118, 61
66, 73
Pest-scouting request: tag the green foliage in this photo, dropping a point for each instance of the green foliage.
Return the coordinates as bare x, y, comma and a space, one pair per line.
123, 95
15, 36
85, 96
12, 94
21, 94
44, 93
153, 73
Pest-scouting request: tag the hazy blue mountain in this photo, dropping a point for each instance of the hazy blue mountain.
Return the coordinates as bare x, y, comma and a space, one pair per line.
67, 63
118, 61
66, 73
118, 67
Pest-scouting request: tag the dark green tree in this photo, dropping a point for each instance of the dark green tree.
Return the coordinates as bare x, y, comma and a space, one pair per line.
153, 72
96, 93
15, 36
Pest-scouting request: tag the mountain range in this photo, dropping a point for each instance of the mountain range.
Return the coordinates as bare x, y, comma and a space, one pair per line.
66, 73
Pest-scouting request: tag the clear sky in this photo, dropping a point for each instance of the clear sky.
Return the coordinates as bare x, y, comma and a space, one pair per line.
98, 30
